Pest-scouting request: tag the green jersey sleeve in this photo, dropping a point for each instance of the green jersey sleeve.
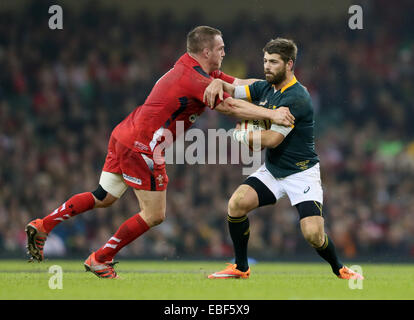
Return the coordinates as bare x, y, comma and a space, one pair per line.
255, 91
299, 106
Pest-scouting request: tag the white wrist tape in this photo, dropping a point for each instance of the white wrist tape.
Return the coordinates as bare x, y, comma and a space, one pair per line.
240, 92
241, 136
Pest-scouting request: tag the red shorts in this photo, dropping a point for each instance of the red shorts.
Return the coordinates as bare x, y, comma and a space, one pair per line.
139, 170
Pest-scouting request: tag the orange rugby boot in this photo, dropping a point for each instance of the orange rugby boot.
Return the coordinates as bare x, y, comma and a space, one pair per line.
230, 272
346, 273
36, 238
100, 269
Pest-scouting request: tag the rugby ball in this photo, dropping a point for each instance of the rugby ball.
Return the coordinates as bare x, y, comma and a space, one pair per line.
254, 125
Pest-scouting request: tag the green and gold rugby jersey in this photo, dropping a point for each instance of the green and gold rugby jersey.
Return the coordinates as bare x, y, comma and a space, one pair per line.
297, 151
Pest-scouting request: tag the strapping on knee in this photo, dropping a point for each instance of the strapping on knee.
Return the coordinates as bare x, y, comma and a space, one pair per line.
308, 209
100, 193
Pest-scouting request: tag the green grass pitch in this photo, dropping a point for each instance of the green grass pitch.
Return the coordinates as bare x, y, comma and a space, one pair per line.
167, 280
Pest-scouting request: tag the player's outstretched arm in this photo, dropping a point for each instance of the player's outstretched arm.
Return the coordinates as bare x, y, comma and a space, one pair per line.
244, 82
249, 111
215, 89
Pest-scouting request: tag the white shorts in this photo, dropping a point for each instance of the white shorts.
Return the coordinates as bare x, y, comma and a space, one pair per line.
299, 187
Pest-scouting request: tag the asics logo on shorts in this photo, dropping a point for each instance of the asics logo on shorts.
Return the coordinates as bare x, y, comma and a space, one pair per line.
306, 190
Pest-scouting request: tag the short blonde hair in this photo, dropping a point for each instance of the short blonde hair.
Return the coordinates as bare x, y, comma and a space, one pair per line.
201, 37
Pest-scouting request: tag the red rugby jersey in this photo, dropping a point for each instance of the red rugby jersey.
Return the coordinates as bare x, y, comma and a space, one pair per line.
177, 96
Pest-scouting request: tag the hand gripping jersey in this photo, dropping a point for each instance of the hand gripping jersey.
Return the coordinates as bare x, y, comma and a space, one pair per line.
177, 96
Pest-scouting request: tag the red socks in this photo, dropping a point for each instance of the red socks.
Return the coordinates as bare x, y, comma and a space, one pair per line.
127, 232
77, 204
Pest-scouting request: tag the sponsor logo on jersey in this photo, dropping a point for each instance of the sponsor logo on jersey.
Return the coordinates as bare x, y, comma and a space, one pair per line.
140, 146
303, 165
132, 179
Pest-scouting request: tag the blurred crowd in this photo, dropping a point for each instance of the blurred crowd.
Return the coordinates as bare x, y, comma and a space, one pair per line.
62, 92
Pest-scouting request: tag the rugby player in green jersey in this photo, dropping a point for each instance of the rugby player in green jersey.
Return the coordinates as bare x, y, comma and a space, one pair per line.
291, 165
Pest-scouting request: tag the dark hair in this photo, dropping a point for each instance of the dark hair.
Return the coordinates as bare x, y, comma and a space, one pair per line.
286, 48
201, 37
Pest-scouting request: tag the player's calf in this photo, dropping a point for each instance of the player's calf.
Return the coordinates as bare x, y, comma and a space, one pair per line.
312, 226
130, 230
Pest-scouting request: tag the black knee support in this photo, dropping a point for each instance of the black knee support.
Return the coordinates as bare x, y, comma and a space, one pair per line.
266, 196
309, 208
100, 193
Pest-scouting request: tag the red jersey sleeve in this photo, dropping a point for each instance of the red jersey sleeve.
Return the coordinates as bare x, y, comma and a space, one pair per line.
198, 87
223, 76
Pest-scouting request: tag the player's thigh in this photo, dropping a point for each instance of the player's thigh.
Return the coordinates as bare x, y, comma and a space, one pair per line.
258, 190
111, 184
243, 200
141, 171
304, 186
152, 204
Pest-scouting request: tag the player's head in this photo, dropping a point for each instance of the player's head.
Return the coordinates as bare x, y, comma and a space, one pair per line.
279, 59
207, 43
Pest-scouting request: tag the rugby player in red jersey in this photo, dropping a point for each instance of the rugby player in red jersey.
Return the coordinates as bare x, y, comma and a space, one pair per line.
130, 161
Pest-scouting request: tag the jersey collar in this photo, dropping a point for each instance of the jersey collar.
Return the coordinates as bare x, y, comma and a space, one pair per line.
188, 60
291, 83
